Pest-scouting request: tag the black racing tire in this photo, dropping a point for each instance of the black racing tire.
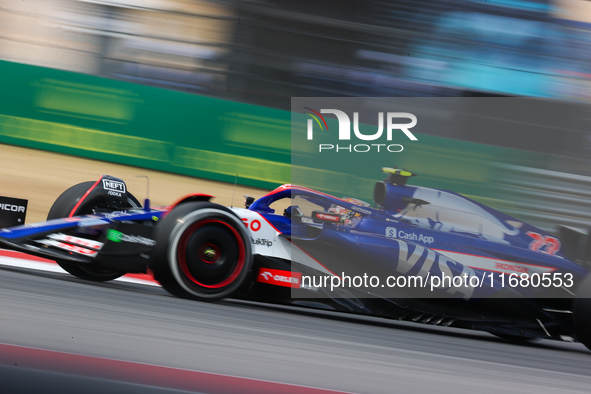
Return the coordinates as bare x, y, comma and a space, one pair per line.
62, 207
582, 313
203, 251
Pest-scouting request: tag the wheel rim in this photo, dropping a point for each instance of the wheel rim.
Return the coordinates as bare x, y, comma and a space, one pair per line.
211, 253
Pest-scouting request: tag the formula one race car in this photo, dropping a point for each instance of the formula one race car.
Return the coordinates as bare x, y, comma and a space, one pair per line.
418, 254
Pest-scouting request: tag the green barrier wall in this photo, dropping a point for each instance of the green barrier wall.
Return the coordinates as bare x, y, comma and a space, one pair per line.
205, 137
143, 126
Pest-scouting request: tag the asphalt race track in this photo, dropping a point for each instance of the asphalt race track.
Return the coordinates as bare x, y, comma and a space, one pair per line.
157, 339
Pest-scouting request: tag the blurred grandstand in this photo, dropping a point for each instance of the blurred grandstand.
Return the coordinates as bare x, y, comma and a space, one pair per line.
266, 52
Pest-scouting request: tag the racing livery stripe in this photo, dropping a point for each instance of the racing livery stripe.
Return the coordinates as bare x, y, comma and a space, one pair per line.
68, 247
296, 187
87, 243
84, 197
494, 264
265, 219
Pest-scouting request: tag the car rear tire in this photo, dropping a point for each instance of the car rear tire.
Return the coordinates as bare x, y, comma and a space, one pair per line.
63, 206
202, 252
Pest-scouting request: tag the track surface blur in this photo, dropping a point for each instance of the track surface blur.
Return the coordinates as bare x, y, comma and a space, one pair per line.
333, 351
144, 324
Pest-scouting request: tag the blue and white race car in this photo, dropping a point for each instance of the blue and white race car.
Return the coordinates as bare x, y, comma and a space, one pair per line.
416, 254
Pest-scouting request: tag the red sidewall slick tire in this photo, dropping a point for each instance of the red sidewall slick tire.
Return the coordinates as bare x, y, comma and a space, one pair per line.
202, 251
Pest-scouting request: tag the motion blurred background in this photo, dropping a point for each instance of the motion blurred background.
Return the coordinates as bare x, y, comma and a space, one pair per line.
203, 88
265, 52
